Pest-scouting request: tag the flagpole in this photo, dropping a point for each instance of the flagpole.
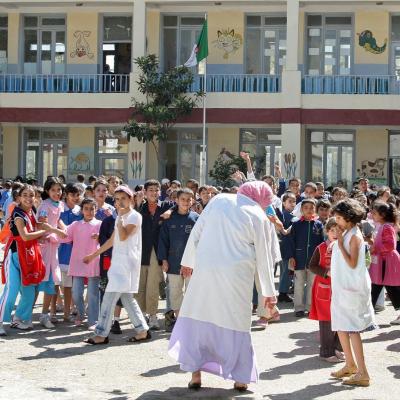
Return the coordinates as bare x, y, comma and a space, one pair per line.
203, 172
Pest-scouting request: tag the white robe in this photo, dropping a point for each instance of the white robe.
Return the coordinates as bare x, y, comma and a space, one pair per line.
231, 242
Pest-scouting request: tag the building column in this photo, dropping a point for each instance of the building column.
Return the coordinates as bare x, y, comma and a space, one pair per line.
293, 151
138, 41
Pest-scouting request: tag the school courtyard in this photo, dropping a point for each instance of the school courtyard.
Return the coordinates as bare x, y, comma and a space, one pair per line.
56, 364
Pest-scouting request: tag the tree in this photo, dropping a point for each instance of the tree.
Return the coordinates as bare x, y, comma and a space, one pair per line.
224, 166
166, 100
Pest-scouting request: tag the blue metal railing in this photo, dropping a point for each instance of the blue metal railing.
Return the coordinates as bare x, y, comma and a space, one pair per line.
350, 84
66, 83
239, 83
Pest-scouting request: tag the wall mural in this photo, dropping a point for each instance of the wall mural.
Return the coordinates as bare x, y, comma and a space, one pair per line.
290, 164
81, 159
366, 39
82, 47
136, 164
228, 41
372, 169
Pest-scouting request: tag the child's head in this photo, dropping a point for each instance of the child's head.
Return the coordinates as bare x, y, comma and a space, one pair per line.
331, 229
204, 194
383, 193
338, 194
289, 201
270, 180
193, 185
89, 194
384, 212
175, 185
308, 208
92, 180
100, 190
26, 196
294, 185
184, 200
72, 194
123, 197
173, 195
320, 189
348, 213
363, 184
52, 189
152, 190
113, 183
88, 208
324, 209
310, 190
80, 178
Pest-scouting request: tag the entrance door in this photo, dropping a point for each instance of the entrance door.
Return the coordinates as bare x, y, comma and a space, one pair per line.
114, 165
54, 159
189, 164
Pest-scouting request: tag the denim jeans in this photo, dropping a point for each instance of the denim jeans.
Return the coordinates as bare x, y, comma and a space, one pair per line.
284, 280
78, 288
107, 312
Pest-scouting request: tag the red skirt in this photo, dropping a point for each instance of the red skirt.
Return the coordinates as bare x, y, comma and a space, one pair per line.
321, 299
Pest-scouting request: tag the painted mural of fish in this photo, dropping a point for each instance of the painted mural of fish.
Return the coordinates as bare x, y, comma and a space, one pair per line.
366, 39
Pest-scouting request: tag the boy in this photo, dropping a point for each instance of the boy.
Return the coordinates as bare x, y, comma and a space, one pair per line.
171, 245
324, 210
310, 192
305, 235
286, 217
71, 213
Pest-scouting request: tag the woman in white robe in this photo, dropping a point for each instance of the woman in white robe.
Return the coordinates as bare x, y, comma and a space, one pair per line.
229, 244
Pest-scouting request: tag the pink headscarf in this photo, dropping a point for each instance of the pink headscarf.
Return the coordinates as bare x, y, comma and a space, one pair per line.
258, 191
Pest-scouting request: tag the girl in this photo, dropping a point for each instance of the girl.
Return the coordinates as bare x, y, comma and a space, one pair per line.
104, 210
84, 236
49, 212
351, 306
385, 266
320, 263
23, 267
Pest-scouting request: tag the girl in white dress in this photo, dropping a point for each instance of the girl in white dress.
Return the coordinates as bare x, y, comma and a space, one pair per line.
351, 306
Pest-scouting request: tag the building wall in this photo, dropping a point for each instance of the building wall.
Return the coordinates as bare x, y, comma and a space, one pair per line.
153, 32
12, 48
10, 151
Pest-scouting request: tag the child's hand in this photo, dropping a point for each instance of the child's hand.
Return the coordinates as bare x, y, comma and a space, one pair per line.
123, 211
107, 212
94, 236
88, 259
244, 155
276, 221
165, 266
270, 302
43, 220
292, 264
61, 234
45, 226
166, 215
186, 272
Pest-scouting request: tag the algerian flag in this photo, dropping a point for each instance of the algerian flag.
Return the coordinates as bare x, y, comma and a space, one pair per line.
200, 49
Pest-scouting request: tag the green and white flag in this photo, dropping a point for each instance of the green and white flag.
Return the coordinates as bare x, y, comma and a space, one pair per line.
200, 49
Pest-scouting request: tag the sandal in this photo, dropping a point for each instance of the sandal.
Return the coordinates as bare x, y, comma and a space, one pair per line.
356, 380
240, 387
92, 341
194, 385
344, 372
134, 340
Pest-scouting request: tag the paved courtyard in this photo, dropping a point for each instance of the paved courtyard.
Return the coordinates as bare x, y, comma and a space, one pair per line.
56, 365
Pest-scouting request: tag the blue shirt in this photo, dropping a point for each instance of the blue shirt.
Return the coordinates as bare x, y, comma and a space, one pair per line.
5, 196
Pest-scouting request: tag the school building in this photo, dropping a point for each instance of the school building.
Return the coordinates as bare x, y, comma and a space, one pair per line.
311, 84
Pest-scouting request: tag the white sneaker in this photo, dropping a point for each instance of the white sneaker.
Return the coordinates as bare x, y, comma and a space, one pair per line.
2, 331
153, 323
92, 328
53, 318
29, 324
18, 324
45, 321
395, 321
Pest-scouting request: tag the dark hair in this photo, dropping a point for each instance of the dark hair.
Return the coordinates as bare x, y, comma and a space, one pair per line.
7, 185
138, 188
225, 190
269, 177
89, 187
294, 180
311, 185
50, 182
184, 191
92, 178
62, 178
363, 180
80, 178
319, 184
176, 183
201, 188
88, 201
382, 191
72, 188
24, 187
288, 195
308, 201
387, 211
15, 194
351, 210
38, 190
393, 199
152, 182
194, 182
100, 182
331, 223
323, 203
19, 178
16, 186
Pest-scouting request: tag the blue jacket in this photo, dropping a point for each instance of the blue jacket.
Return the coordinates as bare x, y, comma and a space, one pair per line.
287, 220
68, 216
304, 237
6, 195
151, 225
174, 235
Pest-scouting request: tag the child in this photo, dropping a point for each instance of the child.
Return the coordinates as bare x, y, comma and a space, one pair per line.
19, 274
49, 212
286, 217
174, 234
330, 349
84, 234
305, 235
100, 195
385, 266
351, 306
88, 194
310, 192
71, 213
124, 271
323, 210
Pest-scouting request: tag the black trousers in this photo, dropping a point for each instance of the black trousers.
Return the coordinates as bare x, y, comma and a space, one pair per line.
392, 291
329, 340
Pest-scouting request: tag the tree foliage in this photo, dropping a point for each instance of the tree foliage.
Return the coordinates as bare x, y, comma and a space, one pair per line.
224, 166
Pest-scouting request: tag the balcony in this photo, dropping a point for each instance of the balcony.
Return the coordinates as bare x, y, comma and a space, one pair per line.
351, 84
69, 83
238, 83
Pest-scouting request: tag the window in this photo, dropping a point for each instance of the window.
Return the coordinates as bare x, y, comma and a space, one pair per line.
44, 45
265, 49
394, 159
3, 43
331, 154
183, 154
264, 147
117, 28
45, 152
329, 45
180, 34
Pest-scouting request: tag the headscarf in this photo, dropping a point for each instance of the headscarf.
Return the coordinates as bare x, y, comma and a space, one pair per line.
258, 191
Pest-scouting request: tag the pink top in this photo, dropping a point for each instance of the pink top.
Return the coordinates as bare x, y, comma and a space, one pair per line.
385, 267
80, 232
49, 244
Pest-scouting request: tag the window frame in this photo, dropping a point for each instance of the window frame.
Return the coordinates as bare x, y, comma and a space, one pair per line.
6, 30
323, 28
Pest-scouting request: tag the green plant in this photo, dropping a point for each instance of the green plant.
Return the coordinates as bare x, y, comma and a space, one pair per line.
166, 100
224, 166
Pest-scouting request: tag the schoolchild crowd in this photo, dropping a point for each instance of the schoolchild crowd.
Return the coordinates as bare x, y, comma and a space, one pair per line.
93, 249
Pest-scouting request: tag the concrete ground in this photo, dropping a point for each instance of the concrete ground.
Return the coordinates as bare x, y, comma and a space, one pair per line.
56, 364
